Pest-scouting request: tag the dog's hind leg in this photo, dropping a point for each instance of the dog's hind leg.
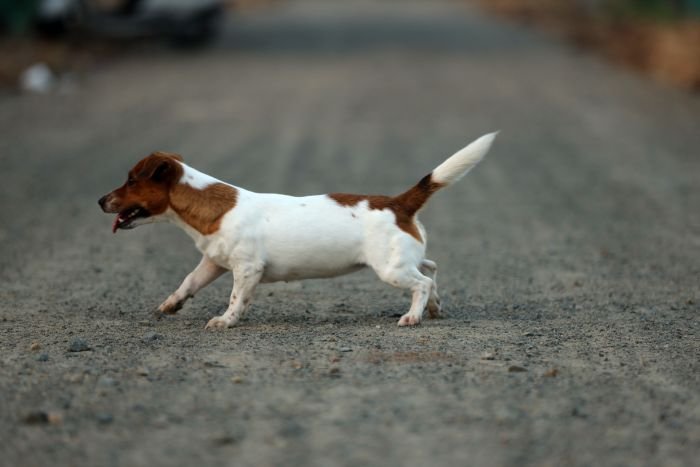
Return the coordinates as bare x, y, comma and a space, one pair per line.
246, 278
420, 285
429, 268
204, 274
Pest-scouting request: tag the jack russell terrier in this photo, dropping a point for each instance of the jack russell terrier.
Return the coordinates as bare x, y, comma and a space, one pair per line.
265, 237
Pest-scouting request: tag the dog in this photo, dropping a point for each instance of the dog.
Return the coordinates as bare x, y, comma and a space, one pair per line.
265, 237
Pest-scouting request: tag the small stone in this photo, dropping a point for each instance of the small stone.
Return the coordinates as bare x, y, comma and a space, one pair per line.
378, 326
161, 421
296, 365
214, 365
34, 346
223, 440
335, 359
55, 418
143, 371
237, 380
43, 357
37, 418
335, 371
73, 377
551, 373
79, 345
151, 336
345, 349
488, 356
104, 418
516, 369
107, 382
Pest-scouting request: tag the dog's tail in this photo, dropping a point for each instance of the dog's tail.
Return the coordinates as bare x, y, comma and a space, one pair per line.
445, 174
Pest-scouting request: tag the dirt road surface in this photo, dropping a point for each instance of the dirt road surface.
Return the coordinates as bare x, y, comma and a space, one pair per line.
569, 259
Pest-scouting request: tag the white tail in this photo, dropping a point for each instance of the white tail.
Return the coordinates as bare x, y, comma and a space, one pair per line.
462, 161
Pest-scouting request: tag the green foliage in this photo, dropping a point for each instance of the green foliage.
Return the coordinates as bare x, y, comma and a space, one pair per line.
663, 10
16, 15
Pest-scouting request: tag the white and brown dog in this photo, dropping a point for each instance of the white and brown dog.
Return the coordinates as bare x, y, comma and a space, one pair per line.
265, 237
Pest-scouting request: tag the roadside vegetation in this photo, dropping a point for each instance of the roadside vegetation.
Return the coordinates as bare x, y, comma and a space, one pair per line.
658, 37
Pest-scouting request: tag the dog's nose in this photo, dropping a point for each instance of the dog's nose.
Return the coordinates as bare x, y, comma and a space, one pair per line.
102, 202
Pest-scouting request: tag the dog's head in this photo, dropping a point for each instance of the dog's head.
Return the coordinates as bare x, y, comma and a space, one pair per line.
146, 192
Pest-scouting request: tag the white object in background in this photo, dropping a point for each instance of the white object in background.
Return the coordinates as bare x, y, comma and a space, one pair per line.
37, 78
50, 9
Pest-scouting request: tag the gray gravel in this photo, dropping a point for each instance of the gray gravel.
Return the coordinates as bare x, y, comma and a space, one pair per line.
569, 260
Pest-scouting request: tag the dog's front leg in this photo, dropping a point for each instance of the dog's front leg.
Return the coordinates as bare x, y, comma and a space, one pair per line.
203, 275
245, 279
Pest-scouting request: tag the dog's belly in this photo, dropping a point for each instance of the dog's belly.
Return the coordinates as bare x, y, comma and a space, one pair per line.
278, 272
312, 253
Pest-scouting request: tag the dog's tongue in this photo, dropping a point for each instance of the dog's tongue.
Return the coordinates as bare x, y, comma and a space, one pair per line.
115, 224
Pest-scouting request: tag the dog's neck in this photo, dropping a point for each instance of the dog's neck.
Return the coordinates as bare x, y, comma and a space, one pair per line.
195, 178
198, 202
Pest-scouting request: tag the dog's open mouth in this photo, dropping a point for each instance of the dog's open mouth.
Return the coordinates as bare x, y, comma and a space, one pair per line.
125, 219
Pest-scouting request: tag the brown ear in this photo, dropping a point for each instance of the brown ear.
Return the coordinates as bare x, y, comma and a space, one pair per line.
172, 155
161, 169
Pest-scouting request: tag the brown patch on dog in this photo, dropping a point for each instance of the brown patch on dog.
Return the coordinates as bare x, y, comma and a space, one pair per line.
404, 206
204, 208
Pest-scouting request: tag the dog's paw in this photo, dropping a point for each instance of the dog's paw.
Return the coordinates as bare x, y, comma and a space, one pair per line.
218, 322
171, 305
409, 320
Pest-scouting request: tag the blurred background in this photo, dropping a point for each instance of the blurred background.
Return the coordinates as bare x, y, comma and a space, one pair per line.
42, 39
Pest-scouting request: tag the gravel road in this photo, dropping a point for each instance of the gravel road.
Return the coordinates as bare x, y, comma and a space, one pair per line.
569, 259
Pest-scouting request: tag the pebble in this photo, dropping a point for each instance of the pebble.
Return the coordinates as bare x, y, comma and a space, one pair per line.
37, 418
55, 418
516, 369
143, 371
73, 377
40, 417
237, 380
223, 440
104, 418
34, 346
488, 356
151, 336
551, 373
79, 345
106, 382
43, 358
345, 349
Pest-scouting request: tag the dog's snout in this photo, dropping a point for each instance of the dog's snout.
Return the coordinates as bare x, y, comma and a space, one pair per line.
102, 201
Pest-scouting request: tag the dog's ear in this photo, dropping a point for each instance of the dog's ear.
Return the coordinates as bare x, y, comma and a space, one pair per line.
172, 155
161, 168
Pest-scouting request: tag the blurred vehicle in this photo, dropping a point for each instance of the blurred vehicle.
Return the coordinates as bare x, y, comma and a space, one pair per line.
185, 21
